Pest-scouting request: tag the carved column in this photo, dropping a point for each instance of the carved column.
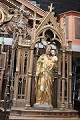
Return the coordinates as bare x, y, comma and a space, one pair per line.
63, 81
22, 61
29, 78
67, 104
1, 80
2, 69
31, 62
59, 80
17, 76
70, 73
70, 79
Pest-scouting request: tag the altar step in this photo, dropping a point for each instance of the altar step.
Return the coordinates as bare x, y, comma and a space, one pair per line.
32, 114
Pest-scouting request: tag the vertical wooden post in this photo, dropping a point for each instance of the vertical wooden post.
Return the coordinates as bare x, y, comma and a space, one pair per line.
70, 74
63, 81
29, 78
1, 81
17, 75
26, 75
31, 63
70, 80
67, 104
59, 80
2, 69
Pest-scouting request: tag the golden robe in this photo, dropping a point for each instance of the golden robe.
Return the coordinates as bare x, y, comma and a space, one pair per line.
44, 78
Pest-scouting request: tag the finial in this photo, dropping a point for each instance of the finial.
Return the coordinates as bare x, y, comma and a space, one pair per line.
51, 8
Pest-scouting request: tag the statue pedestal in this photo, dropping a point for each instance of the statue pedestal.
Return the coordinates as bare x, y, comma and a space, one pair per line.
43, 106
18, 113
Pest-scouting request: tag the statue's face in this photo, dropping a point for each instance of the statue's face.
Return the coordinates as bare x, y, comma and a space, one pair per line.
48, 50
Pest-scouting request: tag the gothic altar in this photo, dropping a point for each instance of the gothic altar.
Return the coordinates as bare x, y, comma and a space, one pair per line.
31, 34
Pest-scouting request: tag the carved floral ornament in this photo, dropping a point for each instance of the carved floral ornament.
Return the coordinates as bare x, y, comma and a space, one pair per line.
4, 16
1, 16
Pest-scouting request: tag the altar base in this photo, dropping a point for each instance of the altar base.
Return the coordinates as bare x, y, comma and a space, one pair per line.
36, 114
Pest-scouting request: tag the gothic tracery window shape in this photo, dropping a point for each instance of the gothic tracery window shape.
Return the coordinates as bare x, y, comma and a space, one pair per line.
46, 38
23, 74
21, 88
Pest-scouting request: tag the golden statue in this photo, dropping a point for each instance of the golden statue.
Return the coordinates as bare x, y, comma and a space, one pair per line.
44, 76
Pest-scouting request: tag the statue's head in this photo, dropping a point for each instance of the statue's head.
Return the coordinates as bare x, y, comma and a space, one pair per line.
48, 49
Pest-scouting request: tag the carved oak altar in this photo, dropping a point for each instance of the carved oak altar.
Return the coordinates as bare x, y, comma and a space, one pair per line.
31, 33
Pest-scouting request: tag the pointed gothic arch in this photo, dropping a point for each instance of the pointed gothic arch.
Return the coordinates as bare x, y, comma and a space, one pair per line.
45, 28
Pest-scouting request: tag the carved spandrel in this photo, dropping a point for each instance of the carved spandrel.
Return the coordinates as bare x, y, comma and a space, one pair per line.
15, 22
4, 16
25, 42
24, 34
